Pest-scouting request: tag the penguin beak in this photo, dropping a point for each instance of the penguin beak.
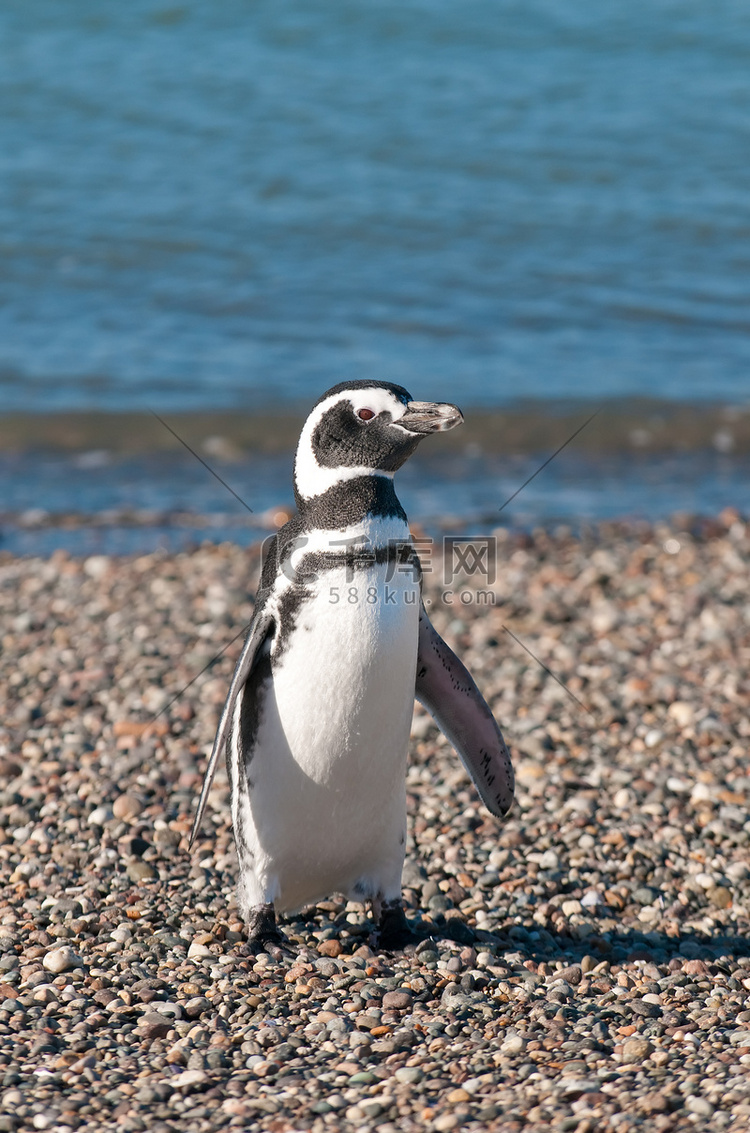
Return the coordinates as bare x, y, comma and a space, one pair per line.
424, 417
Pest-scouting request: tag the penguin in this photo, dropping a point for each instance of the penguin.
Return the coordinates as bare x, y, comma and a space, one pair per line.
317, 718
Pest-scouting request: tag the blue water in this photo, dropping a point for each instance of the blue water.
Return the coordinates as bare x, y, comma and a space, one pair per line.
229, 204
134, 505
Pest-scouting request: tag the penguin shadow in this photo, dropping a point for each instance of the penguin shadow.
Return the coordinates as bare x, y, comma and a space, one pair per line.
626, 945
427, 934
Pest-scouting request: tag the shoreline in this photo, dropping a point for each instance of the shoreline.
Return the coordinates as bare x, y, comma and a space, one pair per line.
633, 425
126, 533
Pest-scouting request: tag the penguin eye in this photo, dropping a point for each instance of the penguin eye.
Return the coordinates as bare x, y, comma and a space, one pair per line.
365, 414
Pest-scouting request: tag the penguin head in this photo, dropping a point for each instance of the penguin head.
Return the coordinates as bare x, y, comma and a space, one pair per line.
363, 428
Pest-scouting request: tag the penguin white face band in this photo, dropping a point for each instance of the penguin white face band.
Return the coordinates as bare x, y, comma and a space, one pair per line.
311, 478
398, 424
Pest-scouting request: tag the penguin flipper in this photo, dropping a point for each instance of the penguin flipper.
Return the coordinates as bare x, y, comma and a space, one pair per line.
261, 626
446, 689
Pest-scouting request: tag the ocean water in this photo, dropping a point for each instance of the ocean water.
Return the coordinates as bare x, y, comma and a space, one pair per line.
237, 204
93, 504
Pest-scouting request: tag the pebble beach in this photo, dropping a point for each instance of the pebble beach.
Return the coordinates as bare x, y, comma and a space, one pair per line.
584, 965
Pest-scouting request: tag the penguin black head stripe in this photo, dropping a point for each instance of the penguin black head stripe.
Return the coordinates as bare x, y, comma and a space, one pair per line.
316, 722
363, 427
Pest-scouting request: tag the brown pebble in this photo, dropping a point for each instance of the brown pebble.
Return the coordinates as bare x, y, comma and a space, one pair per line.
445, 1122
264, 1069
694, 968
720, 897
138, 728
197, 1006
330, 948
126, 806
203, 938
154, 1026
636, 1050
348, 1068
458, 1095
397, 1000
65, 1060
296, 972
653, 1103
88, 1062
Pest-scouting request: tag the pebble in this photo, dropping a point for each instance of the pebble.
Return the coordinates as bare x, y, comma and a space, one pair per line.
636, 1050
197, 1006
198, 951
141, 871
682, 712
605, 915
699, 1106
397, 1000
126, 806
96, 566
189, 1079
457, 1096
62, 960
409, 1074
330, 948
445, 1122
720, 896
100, 815
155, 1026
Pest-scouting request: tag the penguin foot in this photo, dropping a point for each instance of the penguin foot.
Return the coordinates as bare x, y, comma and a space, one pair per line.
394, 931
264, 935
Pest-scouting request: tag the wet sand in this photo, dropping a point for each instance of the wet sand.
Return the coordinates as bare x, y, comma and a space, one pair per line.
621, 425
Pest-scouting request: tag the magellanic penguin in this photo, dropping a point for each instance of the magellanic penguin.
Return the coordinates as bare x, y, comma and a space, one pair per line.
317, 719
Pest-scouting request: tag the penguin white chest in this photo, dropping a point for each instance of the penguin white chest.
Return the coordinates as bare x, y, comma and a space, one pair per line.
344, 685
326, 777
